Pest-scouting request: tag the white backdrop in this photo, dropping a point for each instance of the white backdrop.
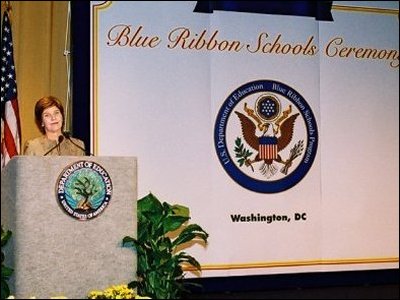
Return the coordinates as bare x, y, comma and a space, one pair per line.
159, 98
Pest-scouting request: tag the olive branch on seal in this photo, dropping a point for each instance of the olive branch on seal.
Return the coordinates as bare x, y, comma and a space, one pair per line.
294, 153
242, 153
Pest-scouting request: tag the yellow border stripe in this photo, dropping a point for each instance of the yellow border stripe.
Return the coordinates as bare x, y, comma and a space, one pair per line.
374, 10
282, 264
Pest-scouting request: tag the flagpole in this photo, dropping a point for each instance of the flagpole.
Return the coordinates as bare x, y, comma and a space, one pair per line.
67, 54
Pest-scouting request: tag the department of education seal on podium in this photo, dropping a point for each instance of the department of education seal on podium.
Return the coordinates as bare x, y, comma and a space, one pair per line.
84, 189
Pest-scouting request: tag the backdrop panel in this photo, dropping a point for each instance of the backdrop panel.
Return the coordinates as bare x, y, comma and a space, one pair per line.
262, 124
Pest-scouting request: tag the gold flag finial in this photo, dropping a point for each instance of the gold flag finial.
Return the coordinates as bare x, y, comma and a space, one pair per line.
7, 5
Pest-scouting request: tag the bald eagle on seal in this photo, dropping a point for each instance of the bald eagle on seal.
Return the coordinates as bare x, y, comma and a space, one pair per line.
273, 144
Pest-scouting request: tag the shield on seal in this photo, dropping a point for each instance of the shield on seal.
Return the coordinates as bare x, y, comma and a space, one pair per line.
268, 147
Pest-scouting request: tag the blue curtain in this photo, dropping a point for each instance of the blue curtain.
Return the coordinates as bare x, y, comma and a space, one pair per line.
320, 10
80, 51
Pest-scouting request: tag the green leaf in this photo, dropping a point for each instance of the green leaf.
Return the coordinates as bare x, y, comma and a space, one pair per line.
188, 259
180, 210
241, 153
190, 233
5, 290
238, 141
150, 204
133, 284
172, 223
6, 272
5, 236
126, 241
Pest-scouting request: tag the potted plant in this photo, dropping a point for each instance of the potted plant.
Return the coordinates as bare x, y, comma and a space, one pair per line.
6, 272
162, 228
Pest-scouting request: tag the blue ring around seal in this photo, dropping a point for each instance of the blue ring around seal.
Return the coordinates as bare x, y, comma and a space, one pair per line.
223, 154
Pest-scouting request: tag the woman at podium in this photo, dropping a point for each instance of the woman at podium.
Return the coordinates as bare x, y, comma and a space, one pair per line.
49, 118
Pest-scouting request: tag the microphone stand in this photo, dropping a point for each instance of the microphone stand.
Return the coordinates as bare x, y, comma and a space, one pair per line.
60, 140
68, 136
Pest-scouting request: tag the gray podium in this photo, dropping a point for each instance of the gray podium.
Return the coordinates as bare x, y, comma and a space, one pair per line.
54, 253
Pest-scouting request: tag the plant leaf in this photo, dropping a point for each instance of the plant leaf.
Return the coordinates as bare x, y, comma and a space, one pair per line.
5, 236
173, 223
191, 232
6, 272
180, 210
188, 259
5, 290
149, 203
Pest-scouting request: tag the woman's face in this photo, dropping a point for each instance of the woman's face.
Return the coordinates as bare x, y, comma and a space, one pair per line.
52, 119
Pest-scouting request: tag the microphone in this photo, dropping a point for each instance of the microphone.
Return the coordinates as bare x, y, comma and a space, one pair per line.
68, 137
60, 140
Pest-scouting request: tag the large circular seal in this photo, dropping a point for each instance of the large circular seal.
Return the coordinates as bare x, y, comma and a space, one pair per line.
266, 136
84, 189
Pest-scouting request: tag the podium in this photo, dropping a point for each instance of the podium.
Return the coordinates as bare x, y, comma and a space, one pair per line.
56, 250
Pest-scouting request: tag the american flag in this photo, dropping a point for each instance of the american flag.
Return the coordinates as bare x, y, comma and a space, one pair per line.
10, 122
